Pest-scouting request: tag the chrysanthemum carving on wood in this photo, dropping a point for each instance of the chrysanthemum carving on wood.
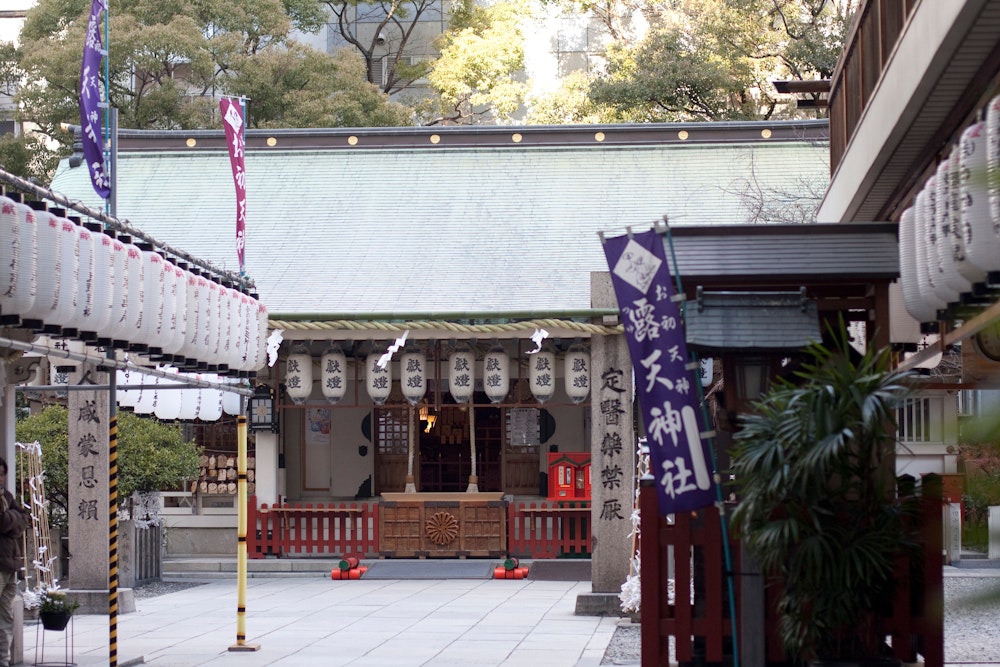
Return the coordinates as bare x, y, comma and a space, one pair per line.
441, 528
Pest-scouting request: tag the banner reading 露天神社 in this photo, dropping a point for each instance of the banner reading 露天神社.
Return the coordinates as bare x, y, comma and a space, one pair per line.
654, 329
232, 121
91, 121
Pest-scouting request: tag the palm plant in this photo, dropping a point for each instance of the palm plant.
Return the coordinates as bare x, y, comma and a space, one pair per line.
818, 510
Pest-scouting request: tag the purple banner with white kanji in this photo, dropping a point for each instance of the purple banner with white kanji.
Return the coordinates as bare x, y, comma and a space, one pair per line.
91, 115
668, 396
232, 121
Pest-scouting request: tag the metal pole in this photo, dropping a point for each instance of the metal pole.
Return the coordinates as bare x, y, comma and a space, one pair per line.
241, 547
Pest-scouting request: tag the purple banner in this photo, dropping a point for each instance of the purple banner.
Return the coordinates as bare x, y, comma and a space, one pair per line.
668, 395
232, 121
91, 115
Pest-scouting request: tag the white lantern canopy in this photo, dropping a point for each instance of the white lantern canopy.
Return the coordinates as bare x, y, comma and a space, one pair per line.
541, 374
496, 374
171, 333
126, 397
299, 375
18, 265
104, 279
146, 405
237, 329
194, 346
413, 376
333, 367
378, 380
462, 375
928, 274
224, 351
247, 333
119, 291
577, 373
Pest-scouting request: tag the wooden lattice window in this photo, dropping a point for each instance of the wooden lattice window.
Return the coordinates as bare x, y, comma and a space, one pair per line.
392, 430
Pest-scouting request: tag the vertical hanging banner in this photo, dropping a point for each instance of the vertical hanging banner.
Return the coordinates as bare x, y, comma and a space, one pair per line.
91, 116
232, 121
654, 329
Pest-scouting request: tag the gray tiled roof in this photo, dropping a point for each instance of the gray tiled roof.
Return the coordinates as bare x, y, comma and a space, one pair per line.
751, 321
437, 229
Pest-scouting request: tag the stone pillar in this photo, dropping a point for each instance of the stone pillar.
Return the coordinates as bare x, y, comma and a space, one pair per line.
88, 499
612, 443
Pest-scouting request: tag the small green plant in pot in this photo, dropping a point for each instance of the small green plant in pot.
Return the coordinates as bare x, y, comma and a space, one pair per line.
55, 609
814, 472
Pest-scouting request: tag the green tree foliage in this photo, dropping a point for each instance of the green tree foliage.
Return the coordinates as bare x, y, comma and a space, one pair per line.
477, 75
171, 59
716, 59
152, 456
27, 156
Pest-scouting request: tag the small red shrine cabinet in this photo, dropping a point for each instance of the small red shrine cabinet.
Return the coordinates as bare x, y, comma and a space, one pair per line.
569, 476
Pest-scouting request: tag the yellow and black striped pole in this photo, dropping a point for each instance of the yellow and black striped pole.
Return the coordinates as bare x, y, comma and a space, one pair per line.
241, 547
113, 538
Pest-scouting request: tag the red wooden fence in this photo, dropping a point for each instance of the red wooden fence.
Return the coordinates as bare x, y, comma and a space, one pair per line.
333, 529
549, 529
542, 529
691, 550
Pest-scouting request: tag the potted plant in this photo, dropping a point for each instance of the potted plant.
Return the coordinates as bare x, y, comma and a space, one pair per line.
55, 609
818, 511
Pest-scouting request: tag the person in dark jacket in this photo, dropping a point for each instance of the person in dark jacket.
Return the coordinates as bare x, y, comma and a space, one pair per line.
13, 521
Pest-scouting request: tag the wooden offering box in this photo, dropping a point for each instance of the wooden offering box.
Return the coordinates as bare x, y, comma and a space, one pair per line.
418, 525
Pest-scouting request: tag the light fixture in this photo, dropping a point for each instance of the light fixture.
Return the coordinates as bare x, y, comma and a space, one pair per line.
462, 374
260, 410
577, 373
426, 416
413, 376
541, 374
298, 375
333, 366
496, 374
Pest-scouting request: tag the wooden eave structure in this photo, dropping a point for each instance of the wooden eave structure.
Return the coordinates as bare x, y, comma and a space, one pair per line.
845, 268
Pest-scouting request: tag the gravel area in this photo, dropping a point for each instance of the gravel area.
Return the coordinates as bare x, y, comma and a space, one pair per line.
156, 588
971, 625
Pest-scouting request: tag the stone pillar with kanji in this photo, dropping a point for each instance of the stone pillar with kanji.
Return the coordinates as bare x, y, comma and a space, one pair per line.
613, 444
87, 493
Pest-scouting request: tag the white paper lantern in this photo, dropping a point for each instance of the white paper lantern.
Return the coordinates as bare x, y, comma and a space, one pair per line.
247, 333
125, 397
104, 279
146, 405
232, 403
190, 402
68, 293
224, 351
982, 241
237, 329
576, 375
916, 305
119, 291
49, 260
261, 360
945, 224
706, 371
135, 295
929, 278
993, 160
496, 374
462, 375
86, 285
413, 376
210, 405
193, 349
169, 340
541, 375
168, 398
378, 380
18, 265
299, 375
333, 369
212, 320
153, 281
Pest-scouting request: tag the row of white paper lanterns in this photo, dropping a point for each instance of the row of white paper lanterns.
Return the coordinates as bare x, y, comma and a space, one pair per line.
949, 240
83, 282
495, 370
151, 394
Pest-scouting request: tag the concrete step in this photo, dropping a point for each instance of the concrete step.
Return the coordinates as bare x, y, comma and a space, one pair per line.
224, 567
